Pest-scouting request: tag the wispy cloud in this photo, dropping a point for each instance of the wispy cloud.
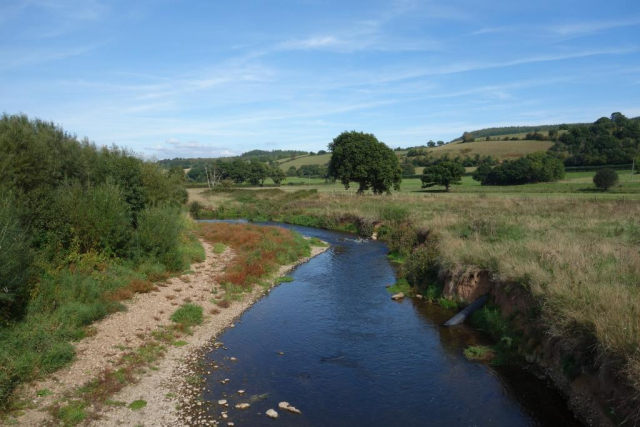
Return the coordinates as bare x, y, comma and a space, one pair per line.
15, 58
591, 27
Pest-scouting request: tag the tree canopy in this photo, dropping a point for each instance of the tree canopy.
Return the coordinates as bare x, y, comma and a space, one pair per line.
445, 173
359, 157
532, 168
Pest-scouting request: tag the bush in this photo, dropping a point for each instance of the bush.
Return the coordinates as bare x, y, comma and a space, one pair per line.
15, 257
421, 267
188, 315
159, 236
194, 209
605, 178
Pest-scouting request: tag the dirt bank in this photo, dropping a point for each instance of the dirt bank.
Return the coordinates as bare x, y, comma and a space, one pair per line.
595, 390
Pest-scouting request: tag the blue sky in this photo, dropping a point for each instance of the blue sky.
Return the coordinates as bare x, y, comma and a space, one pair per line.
210, 78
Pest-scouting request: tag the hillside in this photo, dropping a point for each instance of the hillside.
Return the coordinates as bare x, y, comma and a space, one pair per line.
497, 149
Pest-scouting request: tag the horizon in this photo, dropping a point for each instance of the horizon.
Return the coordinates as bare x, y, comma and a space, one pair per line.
169, 80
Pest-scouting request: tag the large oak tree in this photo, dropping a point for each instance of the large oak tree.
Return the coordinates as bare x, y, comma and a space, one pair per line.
359, 157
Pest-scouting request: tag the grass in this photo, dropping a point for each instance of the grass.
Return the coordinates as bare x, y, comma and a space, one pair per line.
73, 413
497, 149
187, 316
137, 404
218, 248
480, 353
401, 286
284, 279
576, 257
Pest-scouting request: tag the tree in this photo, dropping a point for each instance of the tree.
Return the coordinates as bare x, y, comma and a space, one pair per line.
359, 157
440, 143
446, 174
292, 171
481, 173
408, 169
605, 178
277, 175
532, 168
431, 144
467, 137
322, 152
257, 172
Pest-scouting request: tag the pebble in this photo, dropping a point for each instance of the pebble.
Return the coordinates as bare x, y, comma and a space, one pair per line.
222, 402
397, 296
240, 391
233, 359
287, 407
242, 406
272, 414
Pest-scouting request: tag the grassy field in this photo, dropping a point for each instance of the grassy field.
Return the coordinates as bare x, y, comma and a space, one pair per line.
576, 257
497, 149
576, 184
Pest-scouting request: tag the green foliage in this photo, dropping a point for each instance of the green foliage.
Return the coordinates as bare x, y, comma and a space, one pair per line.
401, 286
608, 141
194, 209
421, 267
605, 178
283, 279
188, 315
445, 174
479, 352
137, 404
218, 248
314, 241
15, 257
481, 173
447, 303
468, 137
73, 413
536, 167
359, 157
159, 236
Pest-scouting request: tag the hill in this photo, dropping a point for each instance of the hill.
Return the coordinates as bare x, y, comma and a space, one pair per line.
497, 149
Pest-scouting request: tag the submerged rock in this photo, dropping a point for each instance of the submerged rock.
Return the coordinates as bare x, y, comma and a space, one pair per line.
222, 402
272, 414
242, 406
397, 296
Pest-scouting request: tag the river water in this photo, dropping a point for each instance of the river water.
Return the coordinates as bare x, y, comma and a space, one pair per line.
353, 357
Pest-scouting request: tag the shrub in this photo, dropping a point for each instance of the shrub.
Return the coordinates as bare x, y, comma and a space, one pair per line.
194, 209
15, 257
605, 178
159, 236
421, 267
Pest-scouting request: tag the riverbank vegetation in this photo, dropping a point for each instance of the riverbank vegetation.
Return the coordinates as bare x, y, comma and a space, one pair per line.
81, 228
259, 251
576, 259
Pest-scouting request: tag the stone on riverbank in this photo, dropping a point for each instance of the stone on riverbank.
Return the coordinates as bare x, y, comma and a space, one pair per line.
397, 296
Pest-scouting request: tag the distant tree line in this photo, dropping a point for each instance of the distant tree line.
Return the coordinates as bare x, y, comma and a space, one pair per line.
423, 157
508, 130
611, 140
237, 171
309, 171
261, 155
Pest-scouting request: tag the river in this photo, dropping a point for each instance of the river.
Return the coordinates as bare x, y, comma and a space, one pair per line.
333, 344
